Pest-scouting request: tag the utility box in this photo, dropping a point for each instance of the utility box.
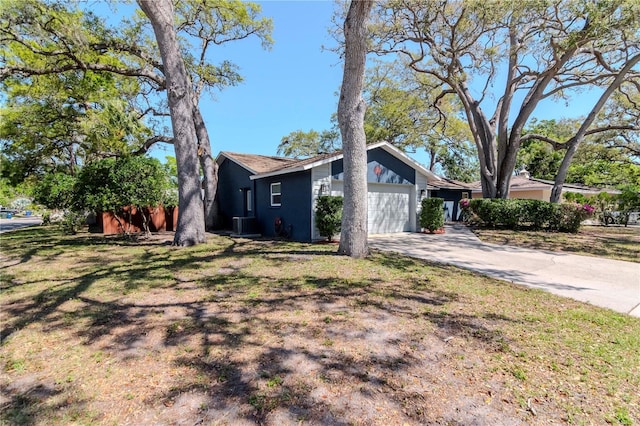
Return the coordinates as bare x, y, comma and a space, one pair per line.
245, 225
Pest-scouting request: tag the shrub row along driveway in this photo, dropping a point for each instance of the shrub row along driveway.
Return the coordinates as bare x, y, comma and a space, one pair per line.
603, 282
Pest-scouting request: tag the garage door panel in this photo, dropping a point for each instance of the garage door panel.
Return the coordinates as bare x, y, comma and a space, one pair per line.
388, 209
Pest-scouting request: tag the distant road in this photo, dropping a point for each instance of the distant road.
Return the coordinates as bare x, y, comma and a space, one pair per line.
7, 225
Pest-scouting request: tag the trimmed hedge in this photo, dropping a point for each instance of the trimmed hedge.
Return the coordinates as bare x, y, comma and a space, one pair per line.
532, 214
432, 213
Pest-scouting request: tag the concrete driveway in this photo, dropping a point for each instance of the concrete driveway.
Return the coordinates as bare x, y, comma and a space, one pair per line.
608, 283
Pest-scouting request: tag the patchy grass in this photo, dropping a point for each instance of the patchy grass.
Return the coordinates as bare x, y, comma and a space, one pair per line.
103, 331
613, 242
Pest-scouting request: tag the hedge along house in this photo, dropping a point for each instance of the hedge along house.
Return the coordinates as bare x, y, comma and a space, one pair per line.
256, 191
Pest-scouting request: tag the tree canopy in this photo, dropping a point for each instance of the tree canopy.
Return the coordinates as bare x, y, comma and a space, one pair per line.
502, 61
56, 38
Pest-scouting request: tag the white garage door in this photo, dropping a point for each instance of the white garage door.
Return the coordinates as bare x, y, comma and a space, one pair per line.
389, 208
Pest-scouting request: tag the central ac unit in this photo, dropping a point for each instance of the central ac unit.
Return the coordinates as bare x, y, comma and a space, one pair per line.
244, 225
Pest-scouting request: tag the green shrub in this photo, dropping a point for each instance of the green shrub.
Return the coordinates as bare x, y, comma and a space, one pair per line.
535, 214
329, 215
496, 212
72, 222
568, 216
432, 213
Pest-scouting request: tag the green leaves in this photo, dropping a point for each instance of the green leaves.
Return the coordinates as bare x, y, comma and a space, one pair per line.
329, 215
55, 191
111, 184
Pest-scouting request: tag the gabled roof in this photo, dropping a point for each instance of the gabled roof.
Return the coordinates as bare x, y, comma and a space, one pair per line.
445, 183
256, 163
309, 163
265, 166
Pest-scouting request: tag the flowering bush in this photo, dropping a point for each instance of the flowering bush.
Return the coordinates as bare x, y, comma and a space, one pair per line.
589, 209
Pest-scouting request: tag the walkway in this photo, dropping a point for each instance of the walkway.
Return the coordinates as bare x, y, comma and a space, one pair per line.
608, 283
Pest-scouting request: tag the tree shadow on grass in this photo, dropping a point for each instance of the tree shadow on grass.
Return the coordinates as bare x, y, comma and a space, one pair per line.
265, 349
30, 404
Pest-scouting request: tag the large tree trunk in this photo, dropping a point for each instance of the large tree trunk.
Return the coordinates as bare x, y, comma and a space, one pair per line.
572, 144
191, 226
209, 169
351, 109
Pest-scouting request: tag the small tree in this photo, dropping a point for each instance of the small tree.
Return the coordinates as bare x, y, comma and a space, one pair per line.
432, 214
329, 215
119, 185
55, 191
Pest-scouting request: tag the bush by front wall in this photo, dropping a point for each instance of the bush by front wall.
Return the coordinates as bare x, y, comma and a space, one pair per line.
535, 214
432, 213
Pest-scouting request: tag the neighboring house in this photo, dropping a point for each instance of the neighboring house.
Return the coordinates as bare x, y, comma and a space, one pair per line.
259, 190
524, 186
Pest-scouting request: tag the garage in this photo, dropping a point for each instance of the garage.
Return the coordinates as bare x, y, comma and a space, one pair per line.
389, 207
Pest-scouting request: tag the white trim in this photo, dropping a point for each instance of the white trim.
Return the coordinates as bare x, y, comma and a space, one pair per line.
271, 194
249, 200
384, 145
239, 163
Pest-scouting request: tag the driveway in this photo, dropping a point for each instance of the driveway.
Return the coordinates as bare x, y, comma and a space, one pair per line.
608, 283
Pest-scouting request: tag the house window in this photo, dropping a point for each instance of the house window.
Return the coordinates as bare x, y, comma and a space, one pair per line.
465, 195
249, 200
276, 194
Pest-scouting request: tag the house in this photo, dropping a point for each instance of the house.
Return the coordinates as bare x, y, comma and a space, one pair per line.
522, 185
274, 195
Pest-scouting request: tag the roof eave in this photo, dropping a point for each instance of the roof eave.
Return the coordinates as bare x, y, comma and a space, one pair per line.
235, 160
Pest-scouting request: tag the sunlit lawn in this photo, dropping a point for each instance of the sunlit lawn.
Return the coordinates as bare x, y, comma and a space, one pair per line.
107, 331
613, 242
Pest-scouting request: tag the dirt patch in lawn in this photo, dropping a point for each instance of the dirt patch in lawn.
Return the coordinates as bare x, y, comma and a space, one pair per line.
260, 332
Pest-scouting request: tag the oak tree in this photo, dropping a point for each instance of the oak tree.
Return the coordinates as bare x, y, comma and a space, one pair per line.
502, 61
351, 111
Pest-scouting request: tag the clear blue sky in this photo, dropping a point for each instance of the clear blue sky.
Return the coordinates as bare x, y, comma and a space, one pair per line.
292, 86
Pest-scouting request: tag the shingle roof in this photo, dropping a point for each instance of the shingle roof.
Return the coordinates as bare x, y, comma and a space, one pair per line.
260, 163
524, 183
445, 183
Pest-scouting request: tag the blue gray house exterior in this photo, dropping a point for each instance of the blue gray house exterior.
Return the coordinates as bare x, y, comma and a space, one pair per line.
269, 189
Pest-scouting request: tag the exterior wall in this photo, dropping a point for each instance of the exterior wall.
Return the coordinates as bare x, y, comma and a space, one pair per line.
394, 170
421, 185
535, 194
295, 206
452, 197
532, 194
232, 181
320, 175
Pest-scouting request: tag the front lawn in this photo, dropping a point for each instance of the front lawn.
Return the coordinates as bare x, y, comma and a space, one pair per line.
103, 331
613, 242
